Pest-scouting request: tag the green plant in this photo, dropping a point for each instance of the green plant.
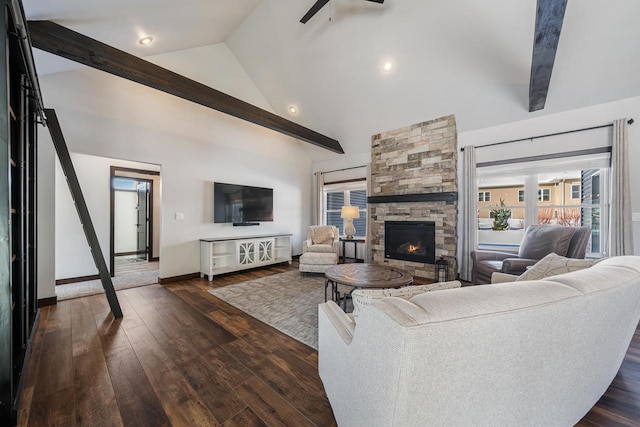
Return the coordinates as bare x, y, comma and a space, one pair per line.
501, 217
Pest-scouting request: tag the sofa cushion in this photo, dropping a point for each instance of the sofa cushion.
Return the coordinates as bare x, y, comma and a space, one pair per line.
541, 240
322, 236
553, 265
321, 248
363, 297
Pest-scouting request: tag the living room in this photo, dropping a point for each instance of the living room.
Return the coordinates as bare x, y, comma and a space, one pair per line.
356, 69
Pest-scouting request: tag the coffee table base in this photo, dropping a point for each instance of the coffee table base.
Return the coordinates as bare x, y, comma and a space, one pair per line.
363, 276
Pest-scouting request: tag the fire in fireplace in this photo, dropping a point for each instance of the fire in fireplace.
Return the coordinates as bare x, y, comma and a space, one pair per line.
410, 241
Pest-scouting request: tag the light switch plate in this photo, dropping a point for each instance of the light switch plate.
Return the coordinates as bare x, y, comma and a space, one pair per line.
635, 216
179, 215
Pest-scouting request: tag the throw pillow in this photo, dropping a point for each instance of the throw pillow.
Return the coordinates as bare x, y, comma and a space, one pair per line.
322, 236
540, 240
363, 297
553, 265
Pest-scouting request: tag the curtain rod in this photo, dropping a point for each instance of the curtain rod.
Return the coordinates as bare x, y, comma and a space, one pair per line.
630, 121
345, 169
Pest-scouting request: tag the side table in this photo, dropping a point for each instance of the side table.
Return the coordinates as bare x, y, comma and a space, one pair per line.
355, 248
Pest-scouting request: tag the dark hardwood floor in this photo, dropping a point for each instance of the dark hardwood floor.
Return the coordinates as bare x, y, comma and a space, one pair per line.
183, 357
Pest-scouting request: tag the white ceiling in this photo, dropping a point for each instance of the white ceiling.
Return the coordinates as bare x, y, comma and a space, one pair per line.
464, 57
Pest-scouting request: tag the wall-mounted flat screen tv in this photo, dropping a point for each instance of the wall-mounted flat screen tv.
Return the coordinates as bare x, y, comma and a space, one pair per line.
241, 204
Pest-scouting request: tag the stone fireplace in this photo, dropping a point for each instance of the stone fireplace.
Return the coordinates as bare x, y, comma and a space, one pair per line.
414, 179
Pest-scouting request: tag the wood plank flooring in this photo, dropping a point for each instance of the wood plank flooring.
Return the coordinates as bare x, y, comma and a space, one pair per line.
183, 357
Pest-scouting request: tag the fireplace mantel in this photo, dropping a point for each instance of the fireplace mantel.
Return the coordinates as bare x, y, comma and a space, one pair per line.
450, 196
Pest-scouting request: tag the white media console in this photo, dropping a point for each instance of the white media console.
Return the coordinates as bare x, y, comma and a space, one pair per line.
228, 254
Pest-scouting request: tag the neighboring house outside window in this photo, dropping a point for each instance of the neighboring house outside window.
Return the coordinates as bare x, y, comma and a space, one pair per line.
521, 195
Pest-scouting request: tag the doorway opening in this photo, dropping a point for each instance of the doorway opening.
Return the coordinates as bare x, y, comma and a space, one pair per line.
134, 225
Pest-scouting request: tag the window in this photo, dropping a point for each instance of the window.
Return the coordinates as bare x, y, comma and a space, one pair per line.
570, 192
346, 194
544, 194
335, 201
575, 191
124, 184
484, 196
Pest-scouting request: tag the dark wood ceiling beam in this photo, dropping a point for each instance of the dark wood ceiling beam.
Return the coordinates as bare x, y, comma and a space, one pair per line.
549, 18
61, 41
319, 4
314, 9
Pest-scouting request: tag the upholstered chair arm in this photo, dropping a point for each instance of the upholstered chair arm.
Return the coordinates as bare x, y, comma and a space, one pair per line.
305, 245
343, 324
336, 246
498, 277
490, 255
517, 266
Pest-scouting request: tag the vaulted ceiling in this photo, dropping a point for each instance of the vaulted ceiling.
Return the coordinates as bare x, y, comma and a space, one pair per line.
465, 57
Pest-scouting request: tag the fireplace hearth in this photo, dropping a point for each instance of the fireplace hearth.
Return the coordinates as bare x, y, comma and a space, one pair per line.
410, 241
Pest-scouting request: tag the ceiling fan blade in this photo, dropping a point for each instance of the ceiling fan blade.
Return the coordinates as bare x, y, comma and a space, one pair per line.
314, 9
377, 1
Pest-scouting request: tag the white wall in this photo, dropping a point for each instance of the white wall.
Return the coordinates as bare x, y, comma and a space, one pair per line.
575, 119
125, 218
104, 115
73, 258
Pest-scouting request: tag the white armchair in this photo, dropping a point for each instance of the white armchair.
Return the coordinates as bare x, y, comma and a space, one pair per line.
321, 250
322, 238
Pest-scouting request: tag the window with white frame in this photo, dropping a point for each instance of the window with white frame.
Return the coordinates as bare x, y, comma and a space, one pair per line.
544, 194
337, 195
575, 191
521, 195
484, 196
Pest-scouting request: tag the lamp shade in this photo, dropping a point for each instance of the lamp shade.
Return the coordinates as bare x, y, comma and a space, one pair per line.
349, 212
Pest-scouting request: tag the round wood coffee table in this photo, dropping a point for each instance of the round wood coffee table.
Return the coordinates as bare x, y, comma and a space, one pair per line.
363, 276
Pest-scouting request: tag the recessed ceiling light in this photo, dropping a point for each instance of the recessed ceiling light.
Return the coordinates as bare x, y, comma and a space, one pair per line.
293, 110
145, 40
387, 66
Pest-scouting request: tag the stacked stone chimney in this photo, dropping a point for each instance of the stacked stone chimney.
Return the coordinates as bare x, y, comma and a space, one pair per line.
414, 178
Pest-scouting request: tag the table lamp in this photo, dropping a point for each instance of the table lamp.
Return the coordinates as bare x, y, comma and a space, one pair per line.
349, 213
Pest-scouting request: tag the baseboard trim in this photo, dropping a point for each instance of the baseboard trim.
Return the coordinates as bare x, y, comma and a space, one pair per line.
155, 258
165, 280
77, 279
126, 253
44, 302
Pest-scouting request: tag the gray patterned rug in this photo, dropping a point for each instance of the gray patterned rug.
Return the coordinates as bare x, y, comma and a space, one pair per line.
94, 287
286, 301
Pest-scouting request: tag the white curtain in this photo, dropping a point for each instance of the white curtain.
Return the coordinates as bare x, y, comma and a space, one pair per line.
469, 212
368, 254
620, 228
318, 211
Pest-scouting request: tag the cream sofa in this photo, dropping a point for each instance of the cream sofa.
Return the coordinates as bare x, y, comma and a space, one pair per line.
529, 353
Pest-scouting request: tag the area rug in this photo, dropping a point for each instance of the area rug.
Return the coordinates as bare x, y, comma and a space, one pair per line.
94, 287
286, 301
